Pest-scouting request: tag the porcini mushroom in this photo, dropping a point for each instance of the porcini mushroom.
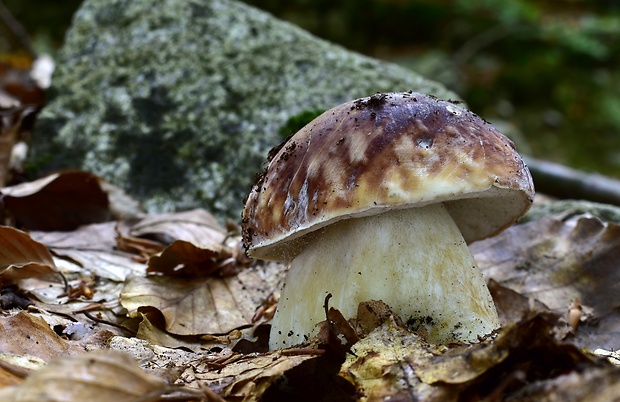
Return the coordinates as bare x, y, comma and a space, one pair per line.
376, 199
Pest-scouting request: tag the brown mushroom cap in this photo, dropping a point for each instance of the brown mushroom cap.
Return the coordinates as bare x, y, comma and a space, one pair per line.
396, 150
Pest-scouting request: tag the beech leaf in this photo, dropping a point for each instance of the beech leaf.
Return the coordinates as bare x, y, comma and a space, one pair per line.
60, 201
196, 226
24, 333
203, 305
98, 376
183, 258
21, 256
92, 248
562, 263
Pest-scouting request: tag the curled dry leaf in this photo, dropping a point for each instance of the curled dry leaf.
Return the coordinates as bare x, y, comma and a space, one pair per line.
156, 336
196, 244
60, 201
96, 376
183, 258
21, 256
559, 262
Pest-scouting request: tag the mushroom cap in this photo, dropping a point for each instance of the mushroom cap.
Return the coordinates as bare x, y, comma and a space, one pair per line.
370, 155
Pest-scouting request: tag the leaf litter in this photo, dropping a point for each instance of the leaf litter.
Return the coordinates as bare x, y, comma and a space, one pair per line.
176, 292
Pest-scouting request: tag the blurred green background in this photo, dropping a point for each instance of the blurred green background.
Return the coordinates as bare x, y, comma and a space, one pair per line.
546, 70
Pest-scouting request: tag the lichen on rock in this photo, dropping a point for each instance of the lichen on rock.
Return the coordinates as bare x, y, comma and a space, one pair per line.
178, 104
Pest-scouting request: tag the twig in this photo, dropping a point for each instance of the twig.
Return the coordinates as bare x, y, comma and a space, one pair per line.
563, 182
99, 320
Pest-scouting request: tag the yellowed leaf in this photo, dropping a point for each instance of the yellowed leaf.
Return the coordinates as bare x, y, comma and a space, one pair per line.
393, 362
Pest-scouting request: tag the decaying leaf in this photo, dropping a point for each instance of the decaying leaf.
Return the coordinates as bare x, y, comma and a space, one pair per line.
21, 256
203, 305
60, 201
96, 376
231, 375
393, 362
559, 262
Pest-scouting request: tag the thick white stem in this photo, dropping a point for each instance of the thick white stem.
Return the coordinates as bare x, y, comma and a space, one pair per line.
415, 260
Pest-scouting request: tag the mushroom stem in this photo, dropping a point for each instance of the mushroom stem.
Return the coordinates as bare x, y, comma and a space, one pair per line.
415, 260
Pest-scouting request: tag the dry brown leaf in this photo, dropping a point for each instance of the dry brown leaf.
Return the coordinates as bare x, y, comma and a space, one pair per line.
196, 244
96, 376
190, 306
14, 368
21, 256
24, 333
197, 226
559, 262
60, 201
92, 249
204, 305
182, 258
511, 306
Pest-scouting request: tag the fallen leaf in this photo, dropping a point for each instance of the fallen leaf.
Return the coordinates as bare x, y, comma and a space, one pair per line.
204, 305
96, 376
25, 334
92, 249
60, 201
154, 335
512, 306
190, 306
21, 256
559, 262
183, 258
197, 226
251, 376
395, 363
14, 368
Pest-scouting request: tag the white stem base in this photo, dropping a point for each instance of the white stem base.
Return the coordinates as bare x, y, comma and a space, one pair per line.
415, 260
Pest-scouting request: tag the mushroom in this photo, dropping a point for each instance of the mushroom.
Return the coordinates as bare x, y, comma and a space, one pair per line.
377, 199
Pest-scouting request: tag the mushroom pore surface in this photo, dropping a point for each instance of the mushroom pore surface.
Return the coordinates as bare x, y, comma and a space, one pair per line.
415, 260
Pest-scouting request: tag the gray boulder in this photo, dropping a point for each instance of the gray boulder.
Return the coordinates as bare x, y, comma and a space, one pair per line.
179, 101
